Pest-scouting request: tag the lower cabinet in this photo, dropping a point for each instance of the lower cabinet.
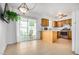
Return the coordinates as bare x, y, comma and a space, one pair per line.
54, 37
49, 36
40, 35
70, 34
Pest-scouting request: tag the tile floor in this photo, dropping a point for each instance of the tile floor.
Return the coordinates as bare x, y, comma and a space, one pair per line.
38, 47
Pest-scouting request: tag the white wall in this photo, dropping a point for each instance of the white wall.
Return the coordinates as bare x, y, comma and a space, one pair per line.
7, 35
7, 32
77, 32
3, 36
38, 28
73, 30
11, 33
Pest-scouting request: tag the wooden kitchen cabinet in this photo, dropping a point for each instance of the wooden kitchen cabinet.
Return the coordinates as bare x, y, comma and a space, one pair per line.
67, 21
70, 34
49, 36
44, 22
59, 23
40, 35
58, 34
70, 21
54, 33
54, 23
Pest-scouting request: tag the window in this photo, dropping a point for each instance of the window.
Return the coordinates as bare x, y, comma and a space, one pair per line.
27, 29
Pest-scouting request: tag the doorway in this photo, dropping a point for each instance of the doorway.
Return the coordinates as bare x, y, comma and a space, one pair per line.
27, 29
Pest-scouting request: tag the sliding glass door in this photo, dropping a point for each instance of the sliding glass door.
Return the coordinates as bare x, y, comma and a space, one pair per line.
27, 29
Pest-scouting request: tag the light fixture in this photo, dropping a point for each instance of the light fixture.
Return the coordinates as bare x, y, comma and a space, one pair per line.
61, 15
24, 8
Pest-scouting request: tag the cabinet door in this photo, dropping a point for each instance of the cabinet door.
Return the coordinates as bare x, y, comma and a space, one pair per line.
41, 35
68, 21
54, 23
47, 36
70, 35
44, 22
59, 23
58, 34
54, 36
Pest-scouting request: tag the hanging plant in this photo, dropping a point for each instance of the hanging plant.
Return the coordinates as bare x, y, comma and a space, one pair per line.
11, 16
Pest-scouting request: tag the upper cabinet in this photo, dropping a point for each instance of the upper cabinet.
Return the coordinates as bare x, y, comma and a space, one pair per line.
61, 23
57, 23
44, 22
54, 23
70, 21
67, 21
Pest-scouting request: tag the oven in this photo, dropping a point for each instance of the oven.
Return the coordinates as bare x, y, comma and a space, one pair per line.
64, 33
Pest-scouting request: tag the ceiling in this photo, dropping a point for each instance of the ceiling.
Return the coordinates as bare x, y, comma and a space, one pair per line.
46, 9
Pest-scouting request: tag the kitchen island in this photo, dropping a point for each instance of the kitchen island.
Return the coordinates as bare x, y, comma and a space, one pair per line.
49, 36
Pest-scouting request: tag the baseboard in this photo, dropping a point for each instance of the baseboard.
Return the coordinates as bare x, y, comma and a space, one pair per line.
11, 42
2, 52
74, 53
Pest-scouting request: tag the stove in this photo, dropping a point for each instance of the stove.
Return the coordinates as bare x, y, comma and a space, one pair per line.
64, 33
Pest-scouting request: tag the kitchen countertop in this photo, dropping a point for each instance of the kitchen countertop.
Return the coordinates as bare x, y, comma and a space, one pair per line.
54, 29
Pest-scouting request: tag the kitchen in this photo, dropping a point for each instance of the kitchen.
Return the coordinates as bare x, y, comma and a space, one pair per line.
53, 30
